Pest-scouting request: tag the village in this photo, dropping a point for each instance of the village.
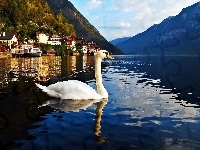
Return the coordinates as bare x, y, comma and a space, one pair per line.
45, 44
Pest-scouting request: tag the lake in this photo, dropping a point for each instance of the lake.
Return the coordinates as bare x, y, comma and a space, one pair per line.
154, 103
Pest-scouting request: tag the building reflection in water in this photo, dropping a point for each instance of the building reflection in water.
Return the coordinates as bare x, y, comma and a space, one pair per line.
49, 66
70, 64
27, 67
78, 63
42, 68
5, 66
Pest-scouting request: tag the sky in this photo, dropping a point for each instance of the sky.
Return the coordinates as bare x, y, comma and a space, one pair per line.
124, 18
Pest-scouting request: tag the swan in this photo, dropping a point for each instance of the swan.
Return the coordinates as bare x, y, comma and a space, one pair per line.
74, 89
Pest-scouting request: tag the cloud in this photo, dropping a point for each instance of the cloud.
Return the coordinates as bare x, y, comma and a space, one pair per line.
122, 29
127, 5
115, 33
123, 24
93, 4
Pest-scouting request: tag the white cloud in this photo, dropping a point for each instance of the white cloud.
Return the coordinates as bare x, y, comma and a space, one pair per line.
92, 4
127, 5
113, 34
123, 24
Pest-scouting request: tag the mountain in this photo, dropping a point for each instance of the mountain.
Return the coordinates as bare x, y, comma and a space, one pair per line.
118, 40
81, 24
26, 17
175, 35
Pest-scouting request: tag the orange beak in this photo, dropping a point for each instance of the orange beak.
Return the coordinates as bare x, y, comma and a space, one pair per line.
109, 56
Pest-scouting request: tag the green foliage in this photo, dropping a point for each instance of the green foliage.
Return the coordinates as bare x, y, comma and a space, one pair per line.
79, 46
61, 50
81, 52
26, 17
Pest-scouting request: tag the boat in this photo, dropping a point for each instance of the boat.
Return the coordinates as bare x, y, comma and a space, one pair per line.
49, 52
30, 51
26, 50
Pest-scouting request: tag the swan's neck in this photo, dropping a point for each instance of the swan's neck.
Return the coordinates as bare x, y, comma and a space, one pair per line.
100, 88
98, 75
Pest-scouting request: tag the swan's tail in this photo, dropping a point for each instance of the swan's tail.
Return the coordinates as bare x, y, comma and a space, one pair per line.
49, 92
40, 86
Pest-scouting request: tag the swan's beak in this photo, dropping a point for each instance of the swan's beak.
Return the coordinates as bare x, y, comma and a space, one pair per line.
109, 56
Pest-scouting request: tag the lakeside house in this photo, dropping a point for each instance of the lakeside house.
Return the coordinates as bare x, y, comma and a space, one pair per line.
74, 44
54, 40
45, 38
78, 43
70, 42
42, 37
92, 48
8, 38
51, 52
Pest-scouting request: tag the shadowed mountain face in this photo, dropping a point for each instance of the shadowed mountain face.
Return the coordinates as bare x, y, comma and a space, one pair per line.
175, 35
81, 24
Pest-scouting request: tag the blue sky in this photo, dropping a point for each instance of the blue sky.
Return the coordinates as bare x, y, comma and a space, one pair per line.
124, 18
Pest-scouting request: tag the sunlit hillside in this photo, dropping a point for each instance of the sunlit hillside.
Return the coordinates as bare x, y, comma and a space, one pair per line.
26, 17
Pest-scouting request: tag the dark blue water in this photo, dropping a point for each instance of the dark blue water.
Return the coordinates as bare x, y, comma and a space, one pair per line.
153, 104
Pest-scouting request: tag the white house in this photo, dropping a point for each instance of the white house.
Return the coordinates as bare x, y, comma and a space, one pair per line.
42, 37
54, 40
8, 38
84, 49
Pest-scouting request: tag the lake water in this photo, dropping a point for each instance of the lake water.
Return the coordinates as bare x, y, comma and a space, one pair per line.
154, 103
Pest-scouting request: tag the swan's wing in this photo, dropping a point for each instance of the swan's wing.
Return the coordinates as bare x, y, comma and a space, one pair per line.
74, 89
48, 91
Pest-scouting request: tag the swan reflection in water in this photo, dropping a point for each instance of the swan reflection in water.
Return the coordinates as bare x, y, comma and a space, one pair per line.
78, 105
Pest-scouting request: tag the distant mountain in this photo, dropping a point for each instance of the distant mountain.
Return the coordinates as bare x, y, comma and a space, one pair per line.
175, 35
118, 40
81, 24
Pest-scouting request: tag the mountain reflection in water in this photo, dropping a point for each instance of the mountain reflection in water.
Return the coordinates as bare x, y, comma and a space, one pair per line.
153, 104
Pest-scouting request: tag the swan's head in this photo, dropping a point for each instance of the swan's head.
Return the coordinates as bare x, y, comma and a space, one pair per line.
103, 54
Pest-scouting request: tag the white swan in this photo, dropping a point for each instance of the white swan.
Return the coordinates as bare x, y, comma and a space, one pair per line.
74, 89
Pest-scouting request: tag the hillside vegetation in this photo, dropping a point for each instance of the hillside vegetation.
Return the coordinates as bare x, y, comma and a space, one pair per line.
26, 17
